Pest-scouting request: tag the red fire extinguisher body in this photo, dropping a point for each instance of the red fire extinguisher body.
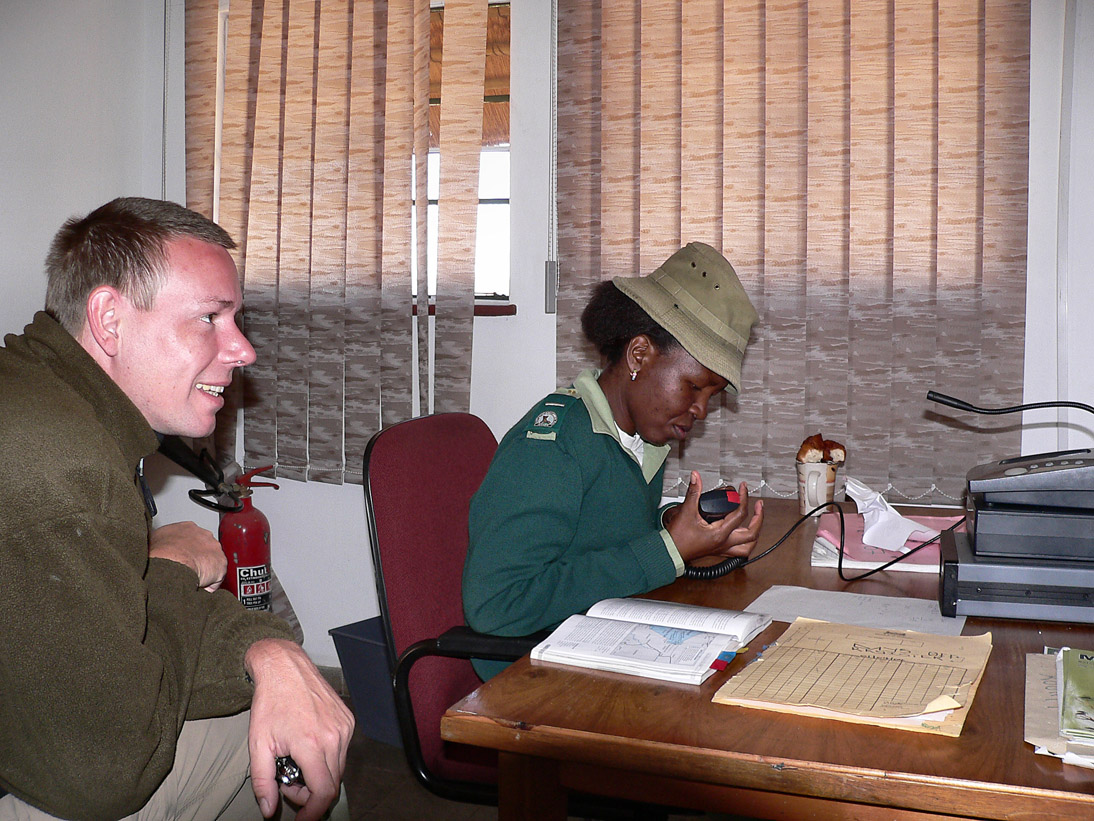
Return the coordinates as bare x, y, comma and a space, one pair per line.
245, 539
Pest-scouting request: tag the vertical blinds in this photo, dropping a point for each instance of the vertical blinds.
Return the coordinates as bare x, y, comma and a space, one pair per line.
863, 166
322, 183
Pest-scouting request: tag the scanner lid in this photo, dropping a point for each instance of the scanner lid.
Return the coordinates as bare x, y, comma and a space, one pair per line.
1057, 479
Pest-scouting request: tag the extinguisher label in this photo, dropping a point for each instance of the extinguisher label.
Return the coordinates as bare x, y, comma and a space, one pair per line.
253, 584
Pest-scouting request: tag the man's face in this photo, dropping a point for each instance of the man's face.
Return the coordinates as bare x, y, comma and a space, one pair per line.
177, 358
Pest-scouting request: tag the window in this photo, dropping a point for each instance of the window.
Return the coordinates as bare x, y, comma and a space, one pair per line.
492, 238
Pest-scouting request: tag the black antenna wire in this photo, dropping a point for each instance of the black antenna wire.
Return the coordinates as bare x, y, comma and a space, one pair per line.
960, 404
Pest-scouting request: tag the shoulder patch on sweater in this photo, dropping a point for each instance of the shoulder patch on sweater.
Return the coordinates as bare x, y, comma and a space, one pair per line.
546, 419
548, 414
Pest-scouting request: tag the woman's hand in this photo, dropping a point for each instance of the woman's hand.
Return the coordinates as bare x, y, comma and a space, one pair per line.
695, 537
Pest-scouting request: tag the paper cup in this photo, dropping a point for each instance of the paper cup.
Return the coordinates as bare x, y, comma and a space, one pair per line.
816, 485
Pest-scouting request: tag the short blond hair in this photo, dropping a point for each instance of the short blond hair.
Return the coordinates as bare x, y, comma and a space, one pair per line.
121, 244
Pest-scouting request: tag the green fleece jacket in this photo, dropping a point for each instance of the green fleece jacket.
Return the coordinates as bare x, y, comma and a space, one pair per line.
104, 653
564, 518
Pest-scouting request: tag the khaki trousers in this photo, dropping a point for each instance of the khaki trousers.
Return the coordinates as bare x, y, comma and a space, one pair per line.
209, 782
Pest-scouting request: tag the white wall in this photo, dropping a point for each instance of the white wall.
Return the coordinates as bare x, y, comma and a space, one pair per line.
80, 123
513, 359
1060, 272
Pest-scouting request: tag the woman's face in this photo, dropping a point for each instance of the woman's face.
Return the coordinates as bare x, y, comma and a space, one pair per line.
670, 392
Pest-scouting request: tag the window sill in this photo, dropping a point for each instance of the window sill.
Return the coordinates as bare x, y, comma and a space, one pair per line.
483, 307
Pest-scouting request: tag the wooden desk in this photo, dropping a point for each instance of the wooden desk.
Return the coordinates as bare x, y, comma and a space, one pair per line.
560, 729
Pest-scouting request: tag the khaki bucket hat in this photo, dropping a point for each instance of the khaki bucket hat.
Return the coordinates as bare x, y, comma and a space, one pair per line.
696, 296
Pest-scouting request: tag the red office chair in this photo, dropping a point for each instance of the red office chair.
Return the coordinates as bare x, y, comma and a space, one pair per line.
419, 477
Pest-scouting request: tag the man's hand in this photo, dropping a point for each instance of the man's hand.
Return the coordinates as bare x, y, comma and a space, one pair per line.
193, 546
295, 712
696, 538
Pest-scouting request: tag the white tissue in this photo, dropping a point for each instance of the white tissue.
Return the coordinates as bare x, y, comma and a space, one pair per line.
882, 526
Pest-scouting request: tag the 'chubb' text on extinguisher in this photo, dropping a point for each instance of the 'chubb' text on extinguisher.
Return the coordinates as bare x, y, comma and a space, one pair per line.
245, 538
253, 586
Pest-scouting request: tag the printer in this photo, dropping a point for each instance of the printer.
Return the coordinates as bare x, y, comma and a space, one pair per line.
1028, 546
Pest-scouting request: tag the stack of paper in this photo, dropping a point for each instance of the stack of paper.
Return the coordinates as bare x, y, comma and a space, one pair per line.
860, 556
890, 678
1060, 704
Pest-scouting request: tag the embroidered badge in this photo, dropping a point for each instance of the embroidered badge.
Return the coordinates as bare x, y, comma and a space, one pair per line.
547, 419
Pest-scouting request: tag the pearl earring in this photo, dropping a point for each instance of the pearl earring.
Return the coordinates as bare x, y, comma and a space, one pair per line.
634, 375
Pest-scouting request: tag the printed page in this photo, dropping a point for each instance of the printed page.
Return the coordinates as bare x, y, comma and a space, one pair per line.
1042, 714
865, 674
786, 603
1042, 721
740, 625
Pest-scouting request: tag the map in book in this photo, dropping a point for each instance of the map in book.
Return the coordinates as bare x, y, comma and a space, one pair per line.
663, 645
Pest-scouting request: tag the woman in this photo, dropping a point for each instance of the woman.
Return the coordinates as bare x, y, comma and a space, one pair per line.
568, 513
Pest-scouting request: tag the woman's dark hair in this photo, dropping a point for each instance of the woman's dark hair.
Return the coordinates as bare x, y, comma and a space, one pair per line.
612, 319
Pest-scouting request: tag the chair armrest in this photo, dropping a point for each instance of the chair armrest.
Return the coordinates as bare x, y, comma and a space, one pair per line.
463, 642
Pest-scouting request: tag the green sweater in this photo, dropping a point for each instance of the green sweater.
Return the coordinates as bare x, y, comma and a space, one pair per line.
105, 653
564, 518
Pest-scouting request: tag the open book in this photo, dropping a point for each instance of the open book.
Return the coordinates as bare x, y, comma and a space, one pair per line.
654, 639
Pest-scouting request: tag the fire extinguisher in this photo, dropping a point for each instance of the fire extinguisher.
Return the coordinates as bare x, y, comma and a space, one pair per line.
245, 538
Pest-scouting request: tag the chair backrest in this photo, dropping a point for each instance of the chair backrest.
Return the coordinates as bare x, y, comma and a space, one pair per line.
419, 477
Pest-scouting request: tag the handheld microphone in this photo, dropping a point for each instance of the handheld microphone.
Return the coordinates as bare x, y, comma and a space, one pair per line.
718, 503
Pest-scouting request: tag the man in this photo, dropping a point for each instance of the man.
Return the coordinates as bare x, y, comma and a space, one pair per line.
123, 670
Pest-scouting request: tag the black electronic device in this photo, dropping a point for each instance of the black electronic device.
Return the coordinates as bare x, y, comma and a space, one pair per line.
718, 503
1036, 507
219, 495
974, 585
1029, 552
1033, 507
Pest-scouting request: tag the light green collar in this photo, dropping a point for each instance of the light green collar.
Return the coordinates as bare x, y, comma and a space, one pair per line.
600, 412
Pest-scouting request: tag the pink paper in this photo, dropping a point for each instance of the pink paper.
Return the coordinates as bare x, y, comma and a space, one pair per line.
855, 550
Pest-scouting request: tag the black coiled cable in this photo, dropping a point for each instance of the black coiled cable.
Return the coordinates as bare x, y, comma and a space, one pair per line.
716, 571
